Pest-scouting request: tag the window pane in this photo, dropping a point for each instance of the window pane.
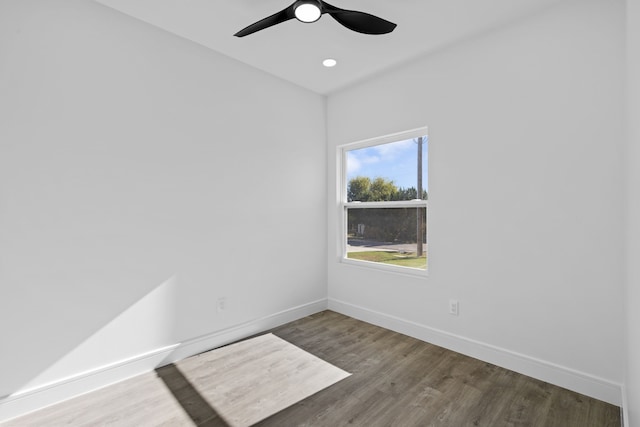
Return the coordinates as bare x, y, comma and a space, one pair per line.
388, 171
388, 236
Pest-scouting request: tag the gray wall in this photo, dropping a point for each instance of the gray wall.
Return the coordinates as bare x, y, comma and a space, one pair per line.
526, 195
633, 215
142, 177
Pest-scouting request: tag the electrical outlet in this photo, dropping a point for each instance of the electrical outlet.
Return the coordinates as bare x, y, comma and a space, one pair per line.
453, 307
222, 304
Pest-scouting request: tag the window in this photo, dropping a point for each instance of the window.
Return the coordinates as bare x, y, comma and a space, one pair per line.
384, 202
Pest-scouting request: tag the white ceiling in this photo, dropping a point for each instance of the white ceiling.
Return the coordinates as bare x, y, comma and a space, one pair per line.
294, 51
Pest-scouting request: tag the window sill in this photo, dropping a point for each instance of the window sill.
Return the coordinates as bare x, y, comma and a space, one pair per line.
368, 265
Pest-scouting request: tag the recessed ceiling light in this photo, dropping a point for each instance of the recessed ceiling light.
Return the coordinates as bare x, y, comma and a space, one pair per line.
329, 62
307, 11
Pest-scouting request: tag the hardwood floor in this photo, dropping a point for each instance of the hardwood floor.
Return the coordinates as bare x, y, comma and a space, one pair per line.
396, 381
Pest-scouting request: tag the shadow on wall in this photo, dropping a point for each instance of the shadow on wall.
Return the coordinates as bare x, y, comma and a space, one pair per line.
142, 328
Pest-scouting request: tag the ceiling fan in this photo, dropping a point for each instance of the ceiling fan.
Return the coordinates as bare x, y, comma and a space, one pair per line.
312, 10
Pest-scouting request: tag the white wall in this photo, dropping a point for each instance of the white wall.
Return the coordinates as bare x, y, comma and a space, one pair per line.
525, 196
633, 215
142, 177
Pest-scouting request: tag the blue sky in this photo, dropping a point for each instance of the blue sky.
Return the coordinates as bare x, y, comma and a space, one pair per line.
396, 161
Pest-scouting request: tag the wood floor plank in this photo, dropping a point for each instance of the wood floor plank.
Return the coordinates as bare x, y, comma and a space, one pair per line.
452, 390
396, 381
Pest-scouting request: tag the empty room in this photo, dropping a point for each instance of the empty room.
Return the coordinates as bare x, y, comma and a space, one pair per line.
370, 213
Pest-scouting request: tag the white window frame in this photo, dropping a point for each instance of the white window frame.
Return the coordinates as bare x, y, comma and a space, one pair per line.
344, 205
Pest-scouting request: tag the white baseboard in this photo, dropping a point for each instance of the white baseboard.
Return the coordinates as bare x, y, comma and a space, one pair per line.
243, 330
31, 400
562, 376
624, 410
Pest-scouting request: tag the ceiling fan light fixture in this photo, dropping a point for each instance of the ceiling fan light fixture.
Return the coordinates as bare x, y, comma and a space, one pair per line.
307, 10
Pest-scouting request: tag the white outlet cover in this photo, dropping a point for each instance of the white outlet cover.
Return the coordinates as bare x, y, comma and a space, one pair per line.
453, 307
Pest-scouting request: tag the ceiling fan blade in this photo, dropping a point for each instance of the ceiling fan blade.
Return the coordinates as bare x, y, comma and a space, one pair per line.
359, 21
276, 18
